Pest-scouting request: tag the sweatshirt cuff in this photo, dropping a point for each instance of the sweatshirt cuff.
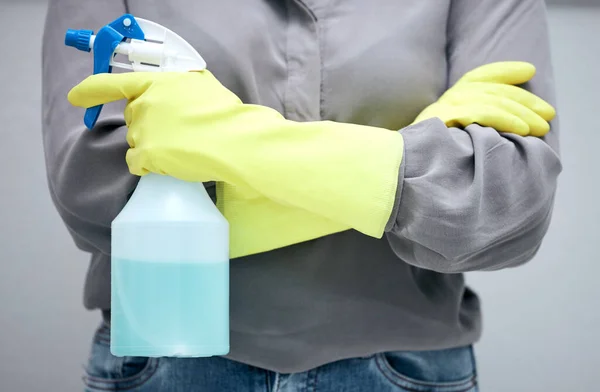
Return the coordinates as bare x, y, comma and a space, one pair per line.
409, 134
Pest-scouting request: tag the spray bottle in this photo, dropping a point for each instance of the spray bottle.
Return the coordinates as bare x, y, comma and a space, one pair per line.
170, 243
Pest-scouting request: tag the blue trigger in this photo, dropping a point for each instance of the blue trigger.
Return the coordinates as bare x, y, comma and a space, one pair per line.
91, 116
105, 43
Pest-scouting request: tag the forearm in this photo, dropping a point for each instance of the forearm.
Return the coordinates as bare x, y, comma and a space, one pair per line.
477, 199
471, 199
346, 173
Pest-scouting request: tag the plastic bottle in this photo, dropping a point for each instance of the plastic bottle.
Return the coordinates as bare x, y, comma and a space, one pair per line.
170, 243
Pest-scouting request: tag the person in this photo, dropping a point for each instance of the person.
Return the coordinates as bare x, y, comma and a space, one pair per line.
415, 133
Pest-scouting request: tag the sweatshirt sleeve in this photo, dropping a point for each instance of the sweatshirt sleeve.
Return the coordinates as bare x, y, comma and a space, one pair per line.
476, 199
88, 177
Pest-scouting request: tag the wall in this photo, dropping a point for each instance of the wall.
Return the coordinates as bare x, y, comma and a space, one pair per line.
541, 320
45, 332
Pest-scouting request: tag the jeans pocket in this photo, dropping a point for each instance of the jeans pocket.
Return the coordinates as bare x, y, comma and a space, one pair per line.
451, 370
106, 372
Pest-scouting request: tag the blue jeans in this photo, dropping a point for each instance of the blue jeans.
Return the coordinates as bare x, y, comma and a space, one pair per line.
451, 370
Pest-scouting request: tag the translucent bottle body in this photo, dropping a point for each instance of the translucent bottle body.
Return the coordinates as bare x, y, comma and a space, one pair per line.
170, 272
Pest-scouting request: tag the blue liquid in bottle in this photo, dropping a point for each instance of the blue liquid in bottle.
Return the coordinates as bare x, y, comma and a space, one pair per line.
170, 273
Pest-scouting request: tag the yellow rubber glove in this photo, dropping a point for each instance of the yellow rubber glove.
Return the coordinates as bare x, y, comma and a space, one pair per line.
488, 96
187, 125
258, 224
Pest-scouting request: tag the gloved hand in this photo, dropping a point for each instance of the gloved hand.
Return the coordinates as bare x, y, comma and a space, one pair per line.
488, 96
187, 125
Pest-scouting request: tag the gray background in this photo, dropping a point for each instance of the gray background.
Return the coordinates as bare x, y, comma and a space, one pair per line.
541, 321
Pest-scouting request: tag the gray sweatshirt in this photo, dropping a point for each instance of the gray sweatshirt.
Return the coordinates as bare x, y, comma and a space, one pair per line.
468, 199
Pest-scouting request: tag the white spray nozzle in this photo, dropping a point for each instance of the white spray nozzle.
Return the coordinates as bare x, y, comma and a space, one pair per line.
161, 51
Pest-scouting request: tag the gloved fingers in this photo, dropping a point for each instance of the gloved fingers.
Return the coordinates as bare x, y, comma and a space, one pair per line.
128, 115
433, 110
505, 72
136, 161
144, 160
490, 116
130, 139
526, 98
520, 95
103, 88
537, 125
